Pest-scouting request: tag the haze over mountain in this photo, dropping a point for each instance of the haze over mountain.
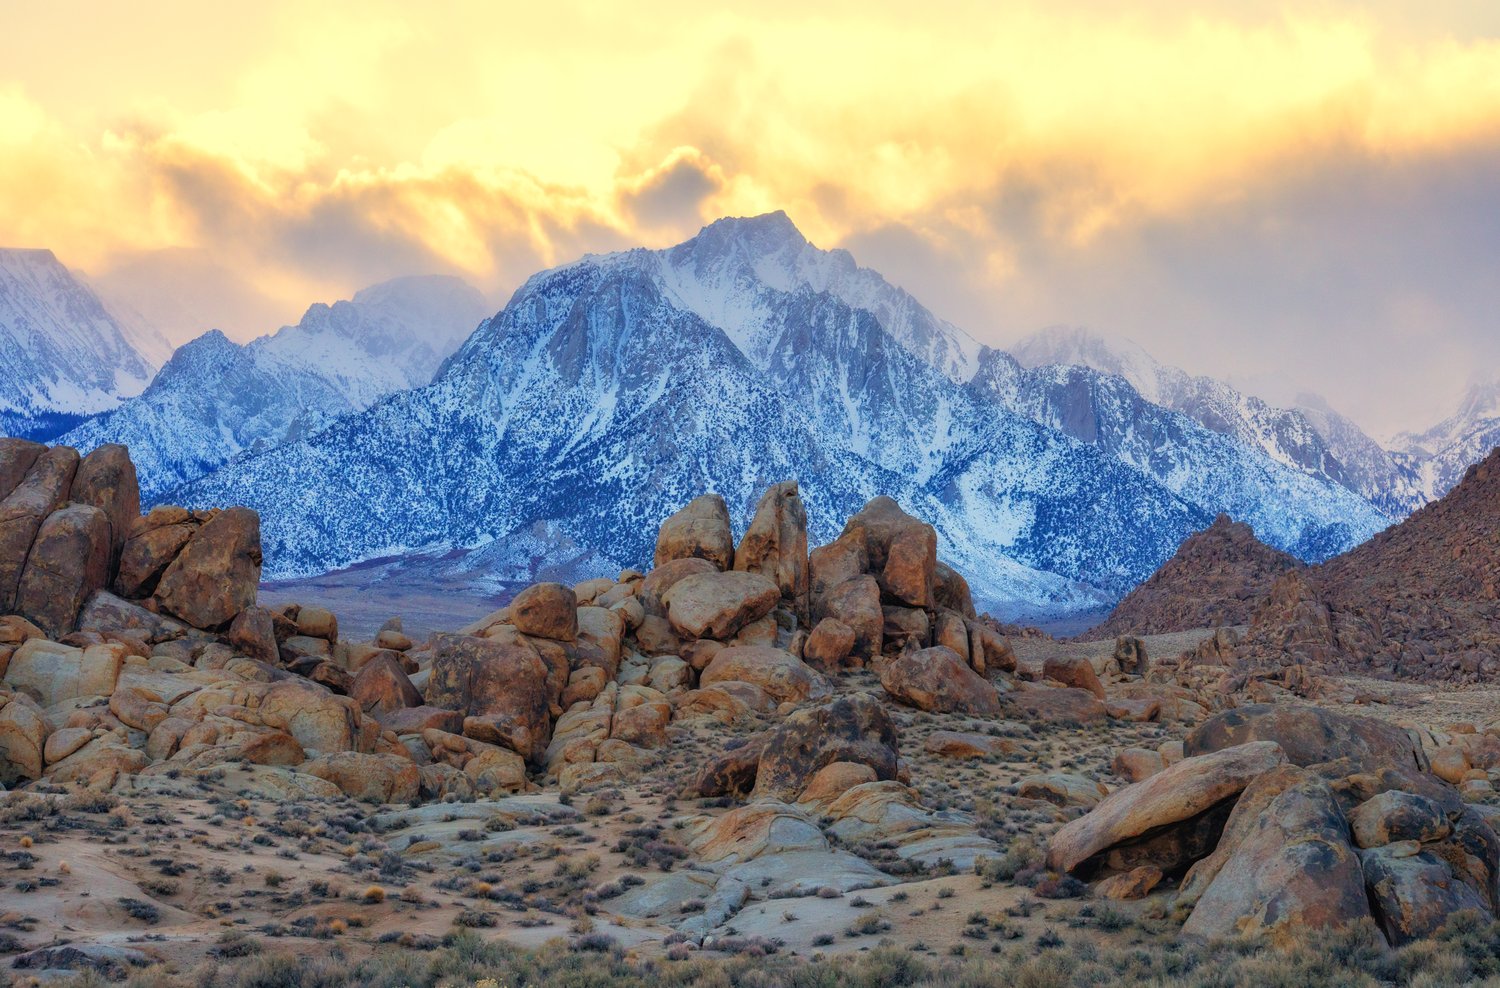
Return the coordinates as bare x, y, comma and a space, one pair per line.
216, 398
610, 390
62, 355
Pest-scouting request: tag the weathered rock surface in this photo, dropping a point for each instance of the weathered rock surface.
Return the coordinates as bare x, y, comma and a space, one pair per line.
854, 729
215, 576
68, 562
699, 530
781, 674
717, 605
546, 610
936, 679
775, 544
1309, 735
499, 685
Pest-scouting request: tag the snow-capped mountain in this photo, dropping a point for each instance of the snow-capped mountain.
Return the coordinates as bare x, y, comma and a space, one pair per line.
216, 399
62, 355
1442, 454
1312, 438
610, 391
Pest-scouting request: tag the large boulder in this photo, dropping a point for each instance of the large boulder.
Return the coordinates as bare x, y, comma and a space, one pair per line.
53, 673
42, 491
829, 644
717, 605
106, 479
68, 562
499, 685
855, 603
1309, 736
910, 573
1414, 891
107, 614
936, 679
781, 674
775, 544
546, 610
381, 686
1394, 816
215, 576
16, 459
1176, 794
369, 778
699, 530
853, 728
24, 729
150, 549
951, 590
1290, 872
1074, 671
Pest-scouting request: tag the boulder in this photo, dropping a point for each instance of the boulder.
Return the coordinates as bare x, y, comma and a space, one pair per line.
967, 744
106, 480
53, 673
829, 644
989, 650
949, 629
215, 576
877, 525
381, 686
699, 530
1074, 671
1395, 816
664, 577
24, 729
16, 459
840, 561
1062, 789
500, 686
546, 610
856, 604
910, 571
317, 622
1134, 884
1176, 794
1414, 892
605, 631
368, 778
781, 674
68, 562
951, 591
1130, 656
1310, 735
854, 728
1055, 705
936, 679
42, 491
775, 544
716, 605
1135, 764
253, 633
320, 720
146, 554
903, 626
416, 719
1290, 872
109, 615
732, 771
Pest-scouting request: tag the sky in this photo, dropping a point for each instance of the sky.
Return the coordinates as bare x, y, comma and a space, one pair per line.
1302, 195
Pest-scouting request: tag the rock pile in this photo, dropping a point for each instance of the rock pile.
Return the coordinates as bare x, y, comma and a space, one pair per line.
1284, 818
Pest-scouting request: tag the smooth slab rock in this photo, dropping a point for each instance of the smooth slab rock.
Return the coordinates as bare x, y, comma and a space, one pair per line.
781, 674
1290, 872
699, 530
1177, 793
937, 679
1309, 736
717, 605
216, 575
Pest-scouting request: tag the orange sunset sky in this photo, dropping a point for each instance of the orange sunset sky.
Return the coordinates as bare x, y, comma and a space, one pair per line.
1300, 195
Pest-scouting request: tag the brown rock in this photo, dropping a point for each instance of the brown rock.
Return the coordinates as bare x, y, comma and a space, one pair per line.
780, 673
368, 778
16, 458
546, 610
1450, 763
1290, 872
415, 720
1074, 671
382, 686
949, 629
106, 479
838, 562
903, 626
829, 644
217, 573
42, 491
989, 650
775, 545
499, 685
964, 744
700, 530
1394, 816
1173, 795
664, 577
24, 730
1134, 884
1135, 764
877, 525
833, 780
1062, 789
1309, 735
146, 555
1055, 705
731, 772
1130, 656
951, 591
317, 622
606, 631
68, 562
936, 679
109, 615
850, 729
856, 603
254, 633
910, 572
716, 605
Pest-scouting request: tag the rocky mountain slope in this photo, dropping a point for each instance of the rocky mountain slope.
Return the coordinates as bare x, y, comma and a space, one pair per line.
609, 390
1314, 439
216, 399
1215, 579
1420, 600
62, 355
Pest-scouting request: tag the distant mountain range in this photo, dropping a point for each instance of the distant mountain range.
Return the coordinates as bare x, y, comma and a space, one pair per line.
610, 390
63, 357
216, 399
